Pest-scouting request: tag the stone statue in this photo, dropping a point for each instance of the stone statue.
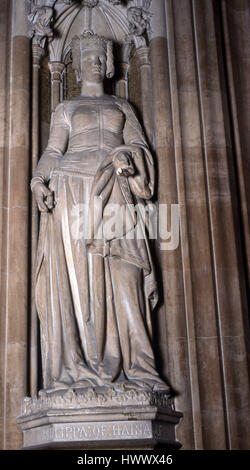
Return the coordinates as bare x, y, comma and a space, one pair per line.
94, 294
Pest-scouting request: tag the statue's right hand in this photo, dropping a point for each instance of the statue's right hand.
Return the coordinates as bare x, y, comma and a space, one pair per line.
44, 197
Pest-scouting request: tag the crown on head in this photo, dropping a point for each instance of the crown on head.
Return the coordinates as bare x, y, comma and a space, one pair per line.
91, 41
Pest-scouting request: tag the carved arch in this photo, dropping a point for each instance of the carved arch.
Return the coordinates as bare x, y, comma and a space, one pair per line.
105, 19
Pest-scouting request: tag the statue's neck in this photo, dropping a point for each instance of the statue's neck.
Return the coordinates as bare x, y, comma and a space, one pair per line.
92, 89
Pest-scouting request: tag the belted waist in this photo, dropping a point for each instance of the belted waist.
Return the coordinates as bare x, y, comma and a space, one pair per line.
64, 171
83, 161
94, 139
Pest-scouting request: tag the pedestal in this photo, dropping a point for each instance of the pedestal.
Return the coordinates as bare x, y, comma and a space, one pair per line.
99, 420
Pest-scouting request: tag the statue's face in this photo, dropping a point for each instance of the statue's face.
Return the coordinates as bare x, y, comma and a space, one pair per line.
94, 65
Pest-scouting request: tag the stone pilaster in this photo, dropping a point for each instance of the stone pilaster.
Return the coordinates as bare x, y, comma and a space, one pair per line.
37, 53
15, 222
142, 55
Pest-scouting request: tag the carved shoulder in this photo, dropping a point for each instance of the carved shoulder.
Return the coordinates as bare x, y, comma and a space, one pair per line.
125, 106
61, 115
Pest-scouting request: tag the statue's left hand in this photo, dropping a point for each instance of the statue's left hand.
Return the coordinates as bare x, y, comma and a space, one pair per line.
123, 163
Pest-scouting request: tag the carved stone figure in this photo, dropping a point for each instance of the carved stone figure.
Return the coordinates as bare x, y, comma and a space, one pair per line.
95, 294
41, 19
139, 20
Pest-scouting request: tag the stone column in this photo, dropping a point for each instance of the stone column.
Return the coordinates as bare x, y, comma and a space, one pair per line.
56, 70
122, 82
142, 54
37, 53
15, 223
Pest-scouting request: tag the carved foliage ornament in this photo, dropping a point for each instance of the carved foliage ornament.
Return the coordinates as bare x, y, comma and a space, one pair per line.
91, 399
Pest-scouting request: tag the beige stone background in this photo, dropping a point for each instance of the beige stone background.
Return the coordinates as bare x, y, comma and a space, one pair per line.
194, 99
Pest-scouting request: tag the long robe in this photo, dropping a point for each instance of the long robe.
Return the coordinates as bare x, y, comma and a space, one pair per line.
95, 294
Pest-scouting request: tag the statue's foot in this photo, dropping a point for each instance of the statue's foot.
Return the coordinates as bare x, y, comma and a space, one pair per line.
147, 386
161, 387
133, 385
55, 387
83, 384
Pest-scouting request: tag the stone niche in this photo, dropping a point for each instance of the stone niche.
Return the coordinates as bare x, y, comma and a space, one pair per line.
91, 418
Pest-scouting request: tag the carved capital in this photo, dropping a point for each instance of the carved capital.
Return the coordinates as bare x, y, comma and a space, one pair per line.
142, 53
56, 70
122, 69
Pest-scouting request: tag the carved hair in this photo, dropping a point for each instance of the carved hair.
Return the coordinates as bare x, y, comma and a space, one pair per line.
89, 42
